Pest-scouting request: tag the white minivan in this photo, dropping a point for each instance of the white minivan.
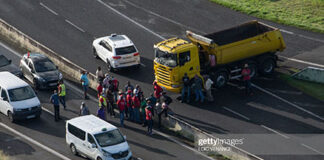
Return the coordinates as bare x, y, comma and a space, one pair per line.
96, 139
17, 99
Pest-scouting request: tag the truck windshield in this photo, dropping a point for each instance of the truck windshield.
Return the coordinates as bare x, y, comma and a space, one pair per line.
164, 58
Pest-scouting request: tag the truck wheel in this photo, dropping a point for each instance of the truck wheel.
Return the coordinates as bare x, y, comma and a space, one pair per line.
11, 119
254, 70
267, 66
220, 79
95, 54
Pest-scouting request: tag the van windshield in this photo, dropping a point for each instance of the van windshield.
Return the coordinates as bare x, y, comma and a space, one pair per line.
23, 93
109, 138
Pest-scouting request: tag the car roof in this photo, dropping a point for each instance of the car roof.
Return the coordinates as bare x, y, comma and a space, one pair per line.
118, 41
10, 81
91, 124
36, 56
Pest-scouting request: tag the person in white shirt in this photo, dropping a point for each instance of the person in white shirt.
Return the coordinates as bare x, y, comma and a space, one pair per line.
208, 86
99, 74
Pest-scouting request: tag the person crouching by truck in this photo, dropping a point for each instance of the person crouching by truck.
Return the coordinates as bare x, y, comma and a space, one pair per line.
246, 72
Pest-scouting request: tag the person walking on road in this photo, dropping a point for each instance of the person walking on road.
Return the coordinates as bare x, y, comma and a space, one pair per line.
106, 80
99, 75
128, 108
128, 87
246, 72
62, 93
85, 83
115, 85
198, 89
142, 109
55, 101
121, 106
136, 105
99, 89
111, 101
149, 119
84, 110
101, 113
208, 87
157, 90
186, 88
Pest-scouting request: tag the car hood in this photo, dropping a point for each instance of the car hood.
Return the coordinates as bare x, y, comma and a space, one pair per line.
26, 103
10, 68
121, 147
50, 75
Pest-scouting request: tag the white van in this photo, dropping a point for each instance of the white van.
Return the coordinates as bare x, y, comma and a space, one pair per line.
96, 139
17, 99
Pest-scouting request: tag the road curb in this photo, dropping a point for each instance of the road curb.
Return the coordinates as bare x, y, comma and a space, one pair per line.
71, 71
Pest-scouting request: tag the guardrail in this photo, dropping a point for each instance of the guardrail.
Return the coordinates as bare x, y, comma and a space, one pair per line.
72, 72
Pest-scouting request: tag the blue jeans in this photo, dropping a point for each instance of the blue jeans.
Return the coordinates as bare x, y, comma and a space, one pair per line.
136, 115
131, 113
122, 118
184, 90
199, 94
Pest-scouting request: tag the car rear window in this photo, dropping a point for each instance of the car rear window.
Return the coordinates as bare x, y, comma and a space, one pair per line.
125, 50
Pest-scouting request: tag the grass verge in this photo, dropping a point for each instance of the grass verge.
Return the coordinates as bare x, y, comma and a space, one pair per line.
310, 88
3, 156
305, 14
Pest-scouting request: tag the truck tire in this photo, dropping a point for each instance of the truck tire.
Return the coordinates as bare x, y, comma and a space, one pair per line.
254, 70
267, 66
220, 78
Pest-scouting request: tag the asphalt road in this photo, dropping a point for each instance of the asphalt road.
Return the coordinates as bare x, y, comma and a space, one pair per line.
52, 134
49, 22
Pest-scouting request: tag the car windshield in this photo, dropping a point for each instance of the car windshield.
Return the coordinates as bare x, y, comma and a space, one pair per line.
125, 50
109, 138
3, 61
20, 94
165, 58
44, 66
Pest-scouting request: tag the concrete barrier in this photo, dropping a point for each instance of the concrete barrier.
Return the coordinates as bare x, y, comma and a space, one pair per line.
311, 74
71, 71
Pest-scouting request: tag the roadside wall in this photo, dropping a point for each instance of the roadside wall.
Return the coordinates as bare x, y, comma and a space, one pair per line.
71, 71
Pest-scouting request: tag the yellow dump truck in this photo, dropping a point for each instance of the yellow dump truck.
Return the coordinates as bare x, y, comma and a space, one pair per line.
221, 55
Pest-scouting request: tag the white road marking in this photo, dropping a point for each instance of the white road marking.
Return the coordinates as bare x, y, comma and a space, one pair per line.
142, 64
290, 103
310, 38
77, 27
138, 24
272, 130
301, 61
313, 149
35, 142
236, 113
181, 144
49, 9
162, 17
285, 31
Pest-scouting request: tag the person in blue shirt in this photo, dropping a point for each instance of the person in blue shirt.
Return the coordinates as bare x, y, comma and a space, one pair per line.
55, 101
85, 83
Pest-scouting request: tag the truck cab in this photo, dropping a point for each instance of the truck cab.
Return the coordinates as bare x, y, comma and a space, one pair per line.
174, 58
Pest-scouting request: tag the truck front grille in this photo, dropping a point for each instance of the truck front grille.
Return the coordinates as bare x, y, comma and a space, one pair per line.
163, 76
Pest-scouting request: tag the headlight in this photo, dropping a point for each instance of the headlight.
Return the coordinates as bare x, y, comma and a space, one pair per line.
175, 85
60, 76
41, 79
105, 153
16, 109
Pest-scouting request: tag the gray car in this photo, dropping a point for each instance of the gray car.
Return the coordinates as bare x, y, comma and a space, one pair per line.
40, 70
6, 65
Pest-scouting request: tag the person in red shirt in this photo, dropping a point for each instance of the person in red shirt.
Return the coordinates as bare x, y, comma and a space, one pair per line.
246, 72
157, 90
149, 119
128, 110
136, 105
115, 85
121, 106
99, 89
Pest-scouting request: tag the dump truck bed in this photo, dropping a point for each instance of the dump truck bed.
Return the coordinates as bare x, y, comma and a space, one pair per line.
239, 33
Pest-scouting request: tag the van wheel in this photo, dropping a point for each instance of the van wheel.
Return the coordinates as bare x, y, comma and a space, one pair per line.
95, 54
73, 149
267, 66
99, 158
11, 119
220, 78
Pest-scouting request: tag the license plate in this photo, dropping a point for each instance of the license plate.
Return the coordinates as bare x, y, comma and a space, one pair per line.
31, 116
127, 57
52, 84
